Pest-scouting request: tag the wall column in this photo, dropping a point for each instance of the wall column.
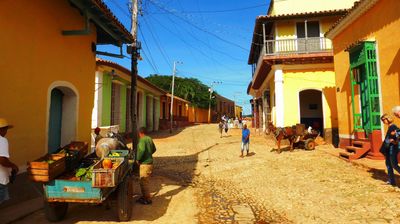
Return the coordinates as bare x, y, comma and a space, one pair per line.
149, 113
279, 98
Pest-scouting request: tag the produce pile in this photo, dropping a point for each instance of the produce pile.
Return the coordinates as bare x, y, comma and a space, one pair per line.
85, 168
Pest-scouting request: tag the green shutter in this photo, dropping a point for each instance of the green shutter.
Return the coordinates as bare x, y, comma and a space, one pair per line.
364, 77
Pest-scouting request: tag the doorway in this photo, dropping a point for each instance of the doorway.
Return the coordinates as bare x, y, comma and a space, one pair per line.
311, 111
62, 118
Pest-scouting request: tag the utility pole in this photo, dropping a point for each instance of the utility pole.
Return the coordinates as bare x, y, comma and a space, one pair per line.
211, 90
134, 73
172, 95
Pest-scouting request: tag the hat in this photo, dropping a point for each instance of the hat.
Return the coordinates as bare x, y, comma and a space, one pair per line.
4, 123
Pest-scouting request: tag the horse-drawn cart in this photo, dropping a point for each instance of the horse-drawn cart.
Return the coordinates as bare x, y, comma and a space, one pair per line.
297, 136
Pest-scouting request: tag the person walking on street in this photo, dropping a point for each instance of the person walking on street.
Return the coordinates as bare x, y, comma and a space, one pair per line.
389, 148
220, 128
145, 151
7, 168
245, 140
226, 127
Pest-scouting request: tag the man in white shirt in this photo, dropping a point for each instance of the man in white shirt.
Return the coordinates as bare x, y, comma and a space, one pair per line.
6, 166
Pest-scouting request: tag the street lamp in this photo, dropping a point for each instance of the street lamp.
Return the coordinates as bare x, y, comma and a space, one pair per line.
211, 90
172, 94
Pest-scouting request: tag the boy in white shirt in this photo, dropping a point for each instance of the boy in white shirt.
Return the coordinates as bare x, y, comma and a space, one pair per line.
6, 166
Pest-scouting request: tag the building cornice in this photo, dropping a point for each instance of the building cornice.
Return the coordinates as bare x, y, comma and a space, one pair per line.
354, 13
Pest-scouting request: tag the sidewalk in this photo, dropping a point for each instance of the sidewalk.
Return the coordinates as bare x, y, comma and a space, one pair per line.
25, 197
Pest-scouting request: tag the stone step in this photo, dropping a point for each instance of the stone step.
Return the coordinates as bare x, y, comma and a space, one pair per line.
345, 155
352, 149
361, 144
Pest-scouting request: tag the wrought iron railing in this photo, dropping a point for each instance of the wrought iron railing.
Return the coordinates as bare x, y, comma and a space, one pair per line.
297, 46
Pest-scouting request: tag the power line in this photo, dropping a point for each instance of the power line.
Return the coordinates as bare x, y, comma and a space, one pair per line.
191, 46
167, 60
222, 11
151, 61
196, 26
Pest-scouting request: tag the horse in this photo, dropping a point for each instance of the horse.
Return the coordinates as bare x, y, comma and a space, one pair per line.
283, 133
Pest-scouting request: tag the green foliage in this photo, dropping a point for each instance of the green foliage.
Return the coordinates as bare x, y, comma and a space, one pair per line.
190, 89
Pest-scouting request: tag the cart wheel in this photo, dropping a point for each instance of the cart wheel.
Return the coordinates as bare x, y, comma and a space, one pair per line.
309, 144
55, 211
124, 200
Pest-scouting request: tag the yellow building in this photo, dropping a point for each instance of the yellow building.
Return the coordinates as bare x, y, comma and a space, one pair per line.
238, 111
367, 54
47, 66
293, 75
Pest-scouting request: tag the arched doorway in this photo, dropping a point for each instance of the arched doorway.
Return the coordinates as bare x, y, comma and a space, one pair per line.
311, 111
62, 117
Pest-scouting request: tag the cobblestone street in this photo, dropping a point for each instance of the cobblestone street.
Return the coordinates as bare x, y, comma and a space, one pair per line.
200, 178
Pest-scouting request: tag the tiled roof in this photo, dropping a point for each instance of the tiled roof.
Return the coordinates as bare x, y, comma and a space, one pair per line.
352, 13
304, 14
105, 22
100, 61
100, 4
176, 97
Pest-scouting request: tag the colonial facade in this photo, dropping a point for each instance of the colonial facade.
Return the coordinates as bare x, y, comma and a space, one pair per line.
223, 106
112, 99
293, 73
180, 112
48, 64
366, 51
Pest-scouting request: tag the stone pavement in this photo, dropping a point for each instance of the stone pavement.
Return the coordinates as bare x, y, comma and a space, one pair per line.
196, 172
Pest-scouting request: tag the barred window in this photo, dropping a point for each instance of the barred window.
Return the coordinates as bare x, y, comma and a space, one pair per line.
115, 104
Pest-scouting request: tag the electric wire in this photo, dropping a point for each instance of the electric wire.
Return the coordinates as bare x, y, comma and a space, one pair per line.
151, 59
165, 57
223, 11
196, 26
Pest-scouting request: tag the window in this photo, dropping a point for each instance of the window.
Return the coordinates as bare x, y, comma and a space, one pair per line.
115, 104
312, 29
128, 110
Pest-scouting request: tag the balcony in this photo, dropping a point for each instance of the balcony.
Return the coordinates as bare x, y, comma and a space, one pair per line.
297, 46
310, 50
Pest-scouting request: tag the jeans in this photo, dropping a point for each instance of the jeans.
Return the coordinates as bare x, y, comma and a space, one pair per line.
3, 193
392, 163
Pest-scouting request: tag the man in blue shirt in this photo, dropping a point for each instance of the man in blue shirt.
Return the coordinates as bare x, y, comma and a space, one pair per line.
245, 140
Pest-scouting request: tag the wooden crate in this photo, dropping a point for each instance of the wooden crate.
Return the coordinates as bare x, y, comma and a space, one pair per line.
108, 177
81, 148
41, 171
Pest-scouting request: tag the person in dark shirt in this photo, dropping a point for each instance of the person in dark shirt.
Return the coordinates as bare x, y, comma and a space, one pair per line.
145, 151
389, 148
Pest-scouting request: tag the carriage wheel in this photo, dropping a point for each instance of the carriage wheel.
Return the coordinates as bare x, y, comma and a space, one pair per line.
55, 211
309, 144
124, 200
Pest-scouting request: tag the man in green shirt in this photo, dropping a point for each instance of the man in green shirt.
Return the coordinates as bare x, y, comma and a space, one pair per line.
145, 150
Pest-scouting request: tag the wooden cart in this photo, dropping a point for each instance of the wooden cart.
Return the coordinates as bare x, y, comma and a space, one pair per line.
305, 139
60, 192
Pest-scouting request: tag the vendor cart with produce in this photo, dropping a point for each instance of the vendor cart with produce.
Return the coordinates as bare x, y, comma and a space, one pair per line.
70, 177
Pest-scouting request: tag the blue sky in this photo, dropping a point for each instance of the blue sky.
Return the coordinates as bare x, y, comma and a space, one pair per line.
211, 37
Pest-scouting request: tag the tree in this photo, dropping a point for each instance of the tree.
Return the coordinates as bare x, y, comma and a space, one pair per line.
190, 89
